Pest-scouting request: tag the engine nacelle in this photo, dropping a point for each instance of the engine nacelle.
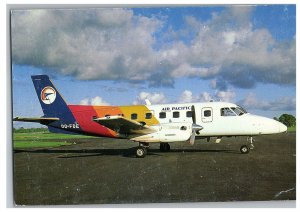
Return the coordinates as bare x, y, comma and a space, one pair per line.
170, 132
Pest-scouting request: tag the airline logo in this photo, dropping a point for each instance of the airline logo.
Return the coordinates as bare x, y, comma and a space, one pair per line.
48, 95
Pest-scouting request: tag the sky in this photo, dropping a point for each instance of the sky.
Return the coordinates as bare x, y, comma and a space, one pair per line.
121, 56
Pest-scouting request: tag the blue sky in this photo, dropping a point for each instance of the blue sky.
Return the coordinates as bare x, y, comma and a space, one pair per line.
241, 54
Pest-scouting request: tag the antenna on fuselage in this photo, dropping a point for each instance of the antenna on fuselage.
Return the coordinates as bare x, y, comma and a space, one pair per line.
147, 102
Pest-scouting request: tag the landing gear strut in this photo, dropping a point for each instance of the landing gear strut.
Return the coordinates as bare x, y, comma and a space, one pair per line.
251, 142
141, 150
164, 147
245, 149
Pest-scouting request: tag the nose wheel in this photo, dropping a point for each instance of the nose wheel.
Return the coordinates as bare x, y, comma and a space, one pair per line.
245, 149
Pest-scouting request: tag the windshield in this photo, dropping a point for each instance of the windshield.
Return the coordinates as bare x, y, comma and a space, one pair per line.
242, 109
238, 110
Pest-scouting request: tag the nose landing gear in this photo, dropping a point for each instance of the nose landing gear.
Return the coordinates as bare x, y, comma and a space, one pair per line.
245, 149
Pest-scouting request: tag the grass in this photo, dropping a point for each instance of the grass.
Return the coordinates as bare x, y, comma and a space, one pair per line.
44, 136
291, 129
42, 139
38, 144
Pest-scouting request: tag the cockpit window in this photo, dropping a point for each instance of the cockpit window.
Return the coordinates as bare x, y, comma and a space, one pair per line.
226, 111
232, 111
242, 109
238, 110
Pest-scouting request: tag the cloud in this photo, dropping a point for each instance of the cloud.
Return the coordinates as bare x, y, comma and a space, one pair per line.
89, 44
94, 101
187, 96
116, 44
286, 103
154, 98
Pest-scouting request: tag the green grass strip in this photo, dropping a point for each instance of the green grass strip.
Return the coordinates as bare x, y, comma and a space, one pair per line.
37, 144
37, 136
291, 129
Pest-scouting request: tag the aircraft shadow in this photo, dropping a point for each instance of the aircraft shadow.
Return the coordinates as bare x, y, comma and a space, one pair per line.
80, 153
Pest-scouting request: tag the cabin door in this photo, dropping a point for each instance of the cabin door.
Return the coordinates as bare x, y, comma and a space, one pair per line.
207, 114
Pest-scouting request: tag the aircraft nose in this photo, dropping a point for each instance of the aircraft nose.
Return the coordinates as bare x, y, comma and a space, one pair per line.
282, 127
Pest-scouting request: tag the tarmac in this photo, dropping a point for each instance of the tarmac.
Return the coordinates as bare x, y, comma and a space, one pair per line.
106, 171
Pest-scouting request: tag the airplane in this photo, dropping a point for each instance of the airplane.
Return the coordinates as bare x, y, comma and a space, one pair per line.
147, 124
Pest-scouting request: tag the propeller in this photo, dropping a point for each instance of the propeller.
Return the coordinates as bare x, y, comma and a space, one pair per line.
195, 127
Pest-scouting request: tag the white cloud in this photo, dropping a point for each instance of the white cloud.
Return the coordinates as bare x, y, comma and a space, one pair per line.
187, 96
154, 98
84, 101
225, 96
115, 44
94, 101
204, 97
285, 103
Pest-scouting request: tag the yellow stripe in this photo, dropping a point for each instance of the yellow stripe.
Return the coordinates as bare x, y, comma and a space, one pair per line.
141, 111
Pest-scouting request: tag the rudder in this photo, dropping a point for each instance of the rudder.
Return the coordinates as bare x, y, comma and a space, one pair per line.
51, 101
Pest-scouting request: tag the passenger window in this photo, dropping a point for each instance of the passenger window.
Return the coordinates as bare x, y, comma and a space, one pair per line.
148, 115
227, 112
162, 115
207, 113
134, 116
189, 113
176, 114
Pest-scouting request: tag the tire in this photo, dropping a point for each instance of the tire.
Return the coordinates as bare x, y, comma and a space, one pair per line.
161, 147
244, 149
168, 147
164, 147
140, 152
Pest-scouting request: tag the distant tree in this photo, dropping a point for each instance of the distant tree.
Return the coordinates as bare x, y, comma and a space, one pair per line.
288, 120
275, 118
29, 130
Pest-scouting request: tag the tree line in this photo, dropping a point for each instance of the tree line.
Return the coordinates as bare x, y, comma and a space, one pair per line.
29, 130
287, 119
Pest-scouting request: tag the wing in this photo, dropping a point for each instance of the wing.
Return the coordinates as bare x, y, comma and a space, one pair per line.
123, 125
41, 120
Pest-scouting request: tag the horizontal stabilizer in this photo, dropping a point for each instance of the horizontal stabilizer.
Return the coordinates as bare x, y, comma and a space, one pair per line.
123, 125
41, 120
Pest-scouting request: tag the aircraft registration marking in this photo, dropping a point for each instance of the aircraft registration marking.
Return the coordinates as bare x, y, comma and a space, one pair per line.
70, 126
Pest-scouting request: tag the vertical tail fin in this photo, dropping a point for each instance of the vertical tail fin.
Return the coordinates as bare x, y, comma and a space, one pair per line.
52, 103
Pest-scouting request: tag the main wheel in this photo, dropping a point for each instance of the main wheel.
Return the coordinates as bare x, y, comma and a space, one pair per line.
168, 147
164, 147
140, 152
244, 149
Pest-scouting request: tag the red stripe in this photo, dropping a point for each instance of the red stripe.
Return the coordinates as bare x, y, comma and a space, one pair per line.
84, 116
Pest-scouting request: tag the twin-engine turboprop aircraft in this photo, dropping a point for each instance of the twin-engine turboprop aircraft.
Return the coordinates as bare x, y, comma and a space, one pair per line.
147, 124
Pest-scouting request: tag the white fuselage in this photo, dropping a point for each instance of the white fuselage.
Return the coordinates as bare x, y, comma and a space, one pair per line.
217, 119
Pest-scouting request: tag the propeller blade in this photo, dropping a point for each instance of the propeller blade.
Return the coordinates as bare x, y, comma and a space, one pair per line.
192, 138
193, 114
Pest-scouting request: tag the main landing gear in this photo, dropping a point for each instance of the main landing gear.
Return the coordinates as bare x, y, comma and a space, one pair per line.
164, 147
141, 150
245, 149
